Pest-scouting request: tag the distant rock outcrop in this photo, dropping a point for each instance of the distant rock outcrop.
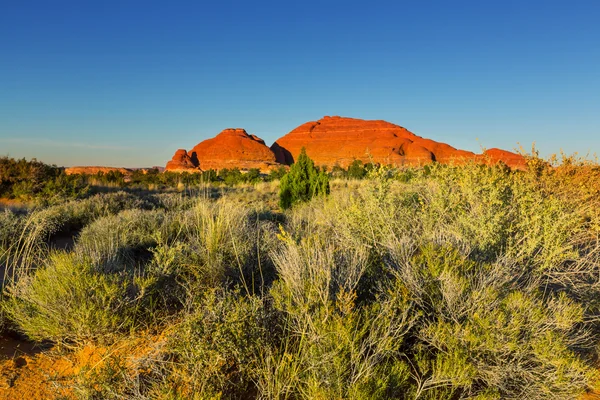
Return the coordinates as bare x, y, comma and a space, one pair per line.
330, 141
95, 170
493, 156
232, 148
339, 141
182, 161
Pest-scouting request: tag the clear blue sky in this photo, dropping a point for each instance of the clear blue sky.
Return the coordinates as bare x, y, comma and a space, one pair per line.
126, 83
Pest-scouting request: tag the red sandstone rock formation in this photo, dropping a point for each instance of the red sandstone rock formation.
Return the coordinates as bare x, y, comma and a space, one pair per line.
232, 148
338, 140
182, 161
493, 156
330, 141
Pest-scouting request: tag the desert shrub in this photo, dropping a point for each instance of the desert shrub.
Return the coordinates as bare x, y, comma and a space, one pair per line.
333, 347
10, 225
253, 175
27, 247
276, 174
124, 239
232, 176
356, 170
212, 352
480, 333
25, 238
494, 270
427, 283
217, 347
74, 215
173, 201
69, 301
302, 182
338, 172
64, 186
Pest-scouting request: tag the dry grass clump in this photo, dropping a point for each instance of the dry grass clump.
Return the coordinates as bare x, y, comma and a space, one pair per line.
446, 282
25, 239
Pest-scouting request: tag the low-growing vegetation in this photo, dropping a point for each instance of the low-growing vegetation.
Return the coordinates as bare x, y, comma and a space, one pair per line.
442, 282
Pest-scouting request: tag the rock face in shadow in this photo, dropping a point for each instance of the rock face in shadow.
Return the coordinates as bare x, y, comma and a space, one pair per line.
232, 148
339, 141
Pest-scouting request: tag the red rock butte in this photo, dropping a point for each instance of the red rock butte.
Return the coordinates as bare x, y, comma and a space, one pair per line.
232, 148
339, 141
330, 141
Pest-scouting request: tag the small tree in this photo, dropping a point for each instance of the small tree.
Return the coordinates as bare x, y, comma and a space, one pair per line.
302, 182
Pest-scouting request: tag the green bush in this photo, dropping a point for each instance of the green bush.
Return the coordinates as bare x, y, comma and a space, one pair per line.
253, 175
10, 227
302, 182
25, 238
481, 335
26, 180
493, 270
276, 174
212, 352
232, 176
356, 170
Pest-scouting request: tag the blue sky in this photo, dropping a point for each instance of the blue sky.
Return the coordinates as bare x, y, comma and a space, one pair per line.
126, 83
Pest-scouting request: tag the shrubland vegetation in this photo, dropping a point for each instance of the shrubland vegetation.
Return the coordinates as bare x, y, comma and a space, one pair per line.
444, 282
33, 180
22, 179
152, 179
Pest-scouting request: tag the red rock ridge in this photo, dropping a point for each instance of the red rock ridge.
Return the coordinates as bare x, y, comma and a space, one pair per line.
339, 141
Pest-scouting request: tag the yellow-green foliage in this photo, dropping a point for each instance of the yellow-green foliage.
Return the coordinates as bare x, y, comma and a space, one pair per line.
66, 300
444, 282
217, 347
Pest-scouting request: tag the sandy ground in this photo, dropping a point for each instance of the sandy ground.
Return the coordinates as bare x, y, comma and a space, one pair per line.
29, 372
